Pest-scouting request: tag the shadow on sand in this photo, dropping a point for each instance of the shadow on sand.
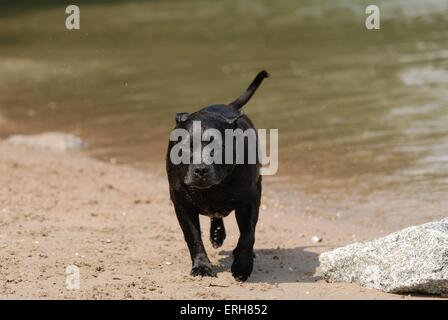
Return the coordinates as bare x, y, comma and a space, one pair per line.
278, 265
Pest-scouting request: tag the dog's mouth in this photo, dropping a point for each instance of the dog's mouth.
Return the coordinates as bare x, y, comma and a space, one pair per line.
202, 183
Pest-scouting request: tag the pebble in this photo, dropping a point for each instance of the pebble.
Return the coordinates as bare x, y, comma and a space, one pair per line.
316, 239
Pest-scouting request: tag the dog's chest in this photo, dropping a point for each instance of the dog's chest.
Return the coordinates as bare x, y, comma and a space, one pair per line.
215, 204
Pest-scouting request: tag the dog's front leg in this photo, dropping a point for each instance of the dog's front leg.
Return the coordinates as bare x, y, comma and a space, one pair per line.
189, 222
243, 258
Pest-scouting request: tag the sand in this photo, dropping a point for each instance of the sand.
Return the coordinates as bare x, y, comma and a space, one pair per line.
116, 223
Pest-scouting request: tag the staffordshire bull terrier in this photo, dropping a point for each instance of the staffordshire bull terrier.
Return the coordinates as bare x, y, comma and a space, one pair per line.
217, 189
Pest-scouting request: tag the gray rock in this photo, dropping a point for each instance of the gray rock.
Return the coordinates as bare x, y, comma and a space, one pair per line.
56, 141
413, 260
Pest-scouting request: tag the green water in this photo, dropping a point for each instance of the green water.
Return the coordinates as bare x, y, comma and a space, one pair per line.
362, 114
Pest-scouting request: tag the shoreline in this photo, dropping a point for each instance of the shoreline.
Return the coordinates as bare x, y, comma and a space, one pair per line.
116, 223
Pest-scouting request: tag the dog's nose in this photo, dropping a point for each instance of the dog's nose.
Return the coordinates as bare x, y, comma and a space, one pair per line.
201, 172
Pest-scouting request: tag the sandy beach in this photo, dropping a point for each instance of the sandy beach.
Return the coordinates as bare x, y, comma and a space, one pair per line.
116, 223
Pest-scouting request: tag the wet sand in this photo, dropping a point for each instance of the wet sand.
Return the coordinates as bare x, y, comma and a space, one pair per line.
117, 225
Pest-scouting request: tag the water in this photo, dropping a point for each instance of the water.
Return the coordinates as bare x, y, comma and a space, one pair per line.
362, 115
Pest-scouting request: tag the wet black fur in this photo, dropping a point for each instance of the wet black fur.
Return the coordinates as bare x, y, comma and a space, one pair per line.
239, 191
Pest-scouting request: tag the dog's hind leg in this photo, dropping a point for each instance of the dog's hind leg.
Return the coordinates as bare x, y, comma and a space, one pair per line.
217, 232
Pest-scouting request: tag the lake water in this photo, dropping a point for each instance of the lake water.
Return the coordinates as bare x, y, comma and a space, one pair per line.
362, 115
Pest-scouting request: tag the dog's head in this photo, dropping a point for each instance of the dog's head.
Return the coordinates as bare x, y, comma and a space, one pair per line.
207, 124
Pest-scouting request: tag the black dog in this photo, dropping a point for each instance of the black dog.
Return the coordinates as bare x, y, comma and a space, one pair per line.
216, 190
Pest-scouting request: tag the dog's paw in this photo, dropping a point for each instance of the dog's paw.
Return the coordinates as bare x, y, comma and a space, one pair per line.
203, 271
217, 237
217, 233
242, 266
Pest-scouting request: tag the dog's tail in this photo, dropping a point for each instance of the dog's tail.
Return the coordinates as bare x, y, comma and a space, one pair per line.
245, 97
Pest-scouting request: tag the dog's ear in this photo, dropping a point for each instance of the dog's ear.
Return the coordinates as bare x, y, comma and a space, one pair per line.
181, 117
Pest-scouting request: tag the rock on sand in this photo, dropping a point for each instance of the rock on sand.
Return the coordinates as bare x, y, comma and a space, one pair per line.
413, 260
56, 141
